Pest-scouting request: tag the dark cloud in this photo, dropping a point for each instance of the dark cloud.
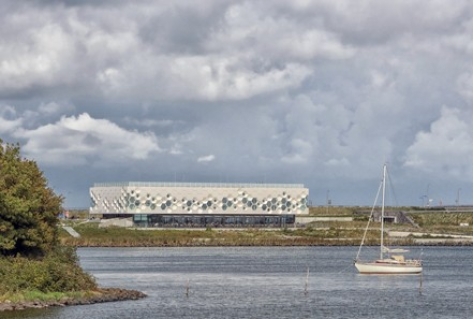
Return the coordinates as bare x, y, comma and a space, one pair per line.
320, 93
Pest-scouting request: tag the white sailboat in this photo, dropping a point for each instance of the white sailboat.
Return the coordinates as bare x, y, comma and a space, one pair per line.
391, 261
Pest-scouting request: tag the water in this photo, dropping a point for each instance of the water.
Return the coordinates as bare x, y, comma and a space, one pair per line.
270, 282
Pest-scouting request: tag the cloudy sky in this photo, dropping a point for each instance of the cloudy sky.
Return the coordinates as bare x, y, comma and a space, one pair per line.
314, 92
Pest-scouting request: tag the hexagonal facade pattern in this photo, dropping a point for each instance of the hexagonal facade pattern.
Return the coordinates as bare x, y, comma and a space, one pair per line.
198, 198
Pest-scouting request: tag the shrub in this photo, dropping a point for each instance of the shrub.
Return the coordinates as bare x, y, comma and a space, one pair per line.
58, 271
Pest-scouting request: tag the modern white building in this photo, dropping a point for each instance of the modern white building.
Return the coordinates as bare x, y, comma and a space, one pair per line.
200, 204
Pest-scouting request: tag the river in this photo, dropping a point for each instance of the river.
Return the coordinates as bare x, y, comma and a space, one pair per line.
270, 282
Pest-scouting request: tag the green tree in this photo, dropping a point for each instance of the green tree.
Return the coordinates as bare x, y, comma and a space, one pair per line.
28, 207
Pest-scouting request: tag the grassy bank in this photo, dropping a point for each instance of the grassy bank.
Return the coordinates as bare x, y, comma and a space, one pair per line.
92, 236
322, 233
444, 222
56, 273
39, 296
38, 299
52, 280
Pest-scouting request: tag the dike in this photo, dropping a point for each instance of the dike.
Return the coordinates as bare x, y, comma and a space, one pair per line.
99, 296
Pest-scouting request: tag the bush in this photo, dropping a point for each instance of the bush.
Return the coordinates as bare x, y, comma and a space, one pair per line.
58, 271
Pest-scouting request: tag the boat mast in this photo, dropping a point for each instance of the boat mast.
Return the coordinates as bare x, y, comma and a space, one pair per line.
383, 210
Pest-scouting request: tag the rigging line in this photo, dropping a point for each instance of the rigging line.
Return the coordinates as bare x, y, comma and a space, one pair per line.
368, 222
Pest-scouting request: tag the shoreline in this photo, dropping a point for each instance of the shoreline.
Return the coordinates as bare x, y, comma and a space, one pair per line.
101, 295
447, 242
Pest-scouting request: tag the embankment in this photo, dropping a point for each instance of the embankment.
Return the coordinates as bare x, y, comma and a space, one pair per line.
87, 298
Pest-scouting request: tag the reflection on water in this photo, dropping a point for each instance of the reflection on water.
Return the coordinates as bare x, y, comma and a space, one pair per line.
270, 283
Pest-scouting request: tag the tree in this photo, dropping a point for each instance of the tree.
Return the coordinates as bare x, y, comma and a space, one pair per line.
28, 207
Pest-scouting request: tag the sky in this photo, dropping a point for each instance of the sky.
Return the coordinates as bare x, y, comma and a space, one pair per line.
320, 93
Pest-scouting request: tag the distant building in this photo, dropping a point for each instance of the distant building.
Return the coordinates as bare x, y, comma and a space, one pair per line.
200, 204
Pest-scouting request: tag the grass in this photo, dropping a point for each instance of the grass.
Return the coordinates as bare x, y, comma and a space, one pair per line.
314, 233
444, 222
327, 233
36, 295
332, 211
57, 271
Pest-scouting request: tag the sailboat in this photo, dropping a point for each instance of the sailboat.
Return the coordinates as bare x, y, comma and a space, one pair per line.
391, 261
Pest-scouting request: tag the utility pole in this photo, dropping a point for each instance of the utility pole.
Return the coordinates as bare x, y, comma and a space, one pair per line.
428, 196
457, 200
328, 201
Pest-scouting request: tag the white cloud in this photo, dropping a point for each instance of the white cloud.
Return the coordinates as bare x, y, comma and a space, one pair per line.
226, 80
464, 86
338, 162
314, 44
8, 119
273, 36
197, 78
445, 149
84, 140
300, 153
207, 158
42, 56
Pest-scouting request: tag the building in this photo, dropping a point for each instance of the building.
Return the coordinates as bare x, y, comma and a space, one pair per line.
200, 204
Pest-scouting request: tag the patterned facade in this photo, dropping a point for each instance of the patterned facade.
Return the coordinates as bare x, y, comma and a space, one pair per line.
198, 199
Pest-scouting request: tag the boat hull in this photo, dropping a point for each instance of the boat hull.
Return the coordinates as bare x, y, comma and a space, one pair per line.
387, 268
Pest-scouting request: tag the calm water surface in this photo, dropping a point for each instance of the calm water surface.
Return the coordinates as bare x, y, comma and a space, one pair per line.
270, 283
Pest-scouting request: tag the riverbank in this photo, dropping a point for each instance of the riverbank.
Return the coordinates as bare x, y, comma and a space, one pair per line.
324, 226
79, 298
334, 233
